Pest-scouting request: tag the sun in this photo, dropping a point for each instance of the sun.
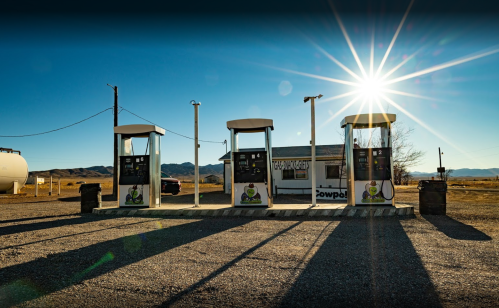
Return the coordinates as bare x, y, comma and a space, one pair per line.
371, 88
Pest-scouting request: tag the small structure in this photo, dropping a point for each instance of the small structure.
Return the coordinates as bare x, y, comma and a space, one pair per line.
34, 179
212, 179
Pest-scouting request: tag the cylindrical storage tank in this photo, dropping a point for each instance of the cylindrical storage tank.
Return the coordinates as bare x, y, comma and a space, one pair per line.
13, 167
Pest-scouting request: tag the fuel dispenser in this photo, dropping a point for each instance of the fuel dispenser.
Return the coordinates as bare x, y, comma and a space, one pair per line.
369, 170
251, 175
139, 176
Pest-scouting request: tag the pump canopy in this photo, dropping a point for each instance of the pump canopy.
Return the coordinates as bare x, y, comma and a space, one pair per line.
369, 120
250, 125
138, 130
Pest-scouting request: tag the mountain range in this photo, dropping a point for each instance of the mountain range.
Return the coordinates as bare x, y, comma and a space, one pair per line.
491, 172
184, 170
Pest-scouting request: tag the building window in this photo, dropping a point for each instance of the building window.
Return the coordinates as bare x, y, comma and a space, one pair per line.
288, 174
332, 172
292, 174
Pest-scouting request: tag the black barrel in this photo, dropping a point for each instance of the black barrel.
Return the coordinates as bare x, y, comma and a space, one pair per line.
432, 197
91, 197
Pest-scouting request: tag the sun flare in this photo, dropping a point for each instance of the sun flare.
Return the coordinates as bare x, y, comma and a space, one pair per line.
371, 88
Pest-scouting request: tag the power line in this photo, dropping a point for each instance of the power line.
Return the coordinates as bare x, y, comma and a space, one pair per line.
222, 142
54, 130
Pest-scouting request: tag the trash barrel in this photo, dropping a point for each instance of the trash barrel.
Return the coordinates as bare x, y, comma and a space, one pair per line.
432, 197
91, 197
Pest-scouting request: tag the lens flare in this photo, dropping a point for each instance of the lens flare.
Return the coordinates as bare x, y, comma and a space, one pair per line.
371, 88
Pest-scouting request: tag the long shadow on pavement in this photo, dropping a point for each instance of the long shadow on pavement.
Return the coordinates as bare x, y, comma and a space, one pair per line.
35, 218
55, 272
78, 198
224, 268
369, 263
76, 220
456, 229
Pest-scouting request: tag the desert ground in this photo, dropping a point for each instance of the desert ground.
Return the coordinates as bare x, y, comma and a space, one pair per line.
51, 255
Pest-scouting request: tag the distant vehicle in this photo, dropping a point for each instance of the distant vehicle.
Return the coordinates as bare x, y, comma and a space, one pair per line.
81, 182
170, 185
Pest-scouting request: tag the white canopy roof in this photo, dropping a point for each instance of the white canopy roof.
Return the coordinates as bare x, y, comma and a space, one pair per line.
368, 120
250, 125
138, 130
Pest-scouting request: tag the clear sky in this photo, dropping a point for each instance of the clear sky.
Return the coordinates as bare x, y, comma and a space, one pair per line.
247, 62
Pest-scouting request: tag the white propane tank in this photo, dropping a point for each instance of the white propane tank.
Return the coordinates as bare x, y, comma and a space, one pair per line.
12, 167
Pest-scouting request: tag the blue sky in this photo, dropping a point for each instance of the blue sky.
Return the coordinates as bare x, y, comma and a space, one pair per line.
54, 69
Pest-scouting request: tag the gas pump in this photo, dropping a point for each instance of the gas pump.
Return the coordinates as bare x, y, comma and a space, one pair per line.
134, 180
369, 170
251, 176
139, 176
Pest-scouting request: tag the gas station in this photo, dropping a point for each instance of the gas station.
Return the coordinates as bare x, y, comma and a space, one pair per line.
369, 175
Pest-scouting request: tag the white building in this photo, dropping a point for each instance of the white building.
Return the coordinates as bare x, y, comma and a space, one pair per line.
291, 170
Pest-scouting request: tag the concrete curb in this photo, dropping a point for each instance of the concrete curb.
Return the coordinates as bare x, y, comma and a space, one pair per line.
235, 212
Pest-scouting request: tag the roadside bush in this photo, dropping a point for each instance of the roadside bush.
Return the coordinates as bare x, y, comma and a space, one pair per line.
70, 184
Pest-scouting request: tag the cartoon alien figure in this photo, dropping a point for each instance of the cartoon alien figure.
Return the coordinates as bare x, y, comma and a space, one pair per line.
372, 191
134, 195
251, 194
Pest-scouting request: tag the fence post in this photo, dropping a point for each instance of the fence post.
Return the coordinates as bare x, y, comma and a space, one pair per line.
59, 187
50, 188
36, 186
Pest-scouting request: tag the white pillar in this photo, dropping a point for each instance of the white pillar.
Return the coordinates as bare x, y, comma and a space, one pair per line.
314, 184
349, 161
233, 149
59, 187
36, 186
196, 148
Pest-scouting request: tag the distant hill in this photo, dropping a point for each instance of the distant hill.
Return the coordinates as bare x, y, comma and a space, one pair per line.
492, 172
187, 169
184, 170
91, 172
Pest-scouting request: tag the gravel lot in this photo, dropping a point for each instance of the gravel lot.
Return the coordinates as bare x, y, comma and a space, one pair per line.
50, 255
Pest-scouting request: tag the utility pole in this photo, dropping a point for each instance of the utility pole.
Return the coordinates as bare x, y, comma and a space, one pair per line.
441, 170
115, 163
196, 148
312, 142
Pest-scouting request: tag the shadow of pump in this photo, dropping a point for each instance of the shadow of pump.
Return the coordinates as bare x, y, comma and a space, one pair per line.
71, 220
455, 229
30, 280
364, 264
78, 198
